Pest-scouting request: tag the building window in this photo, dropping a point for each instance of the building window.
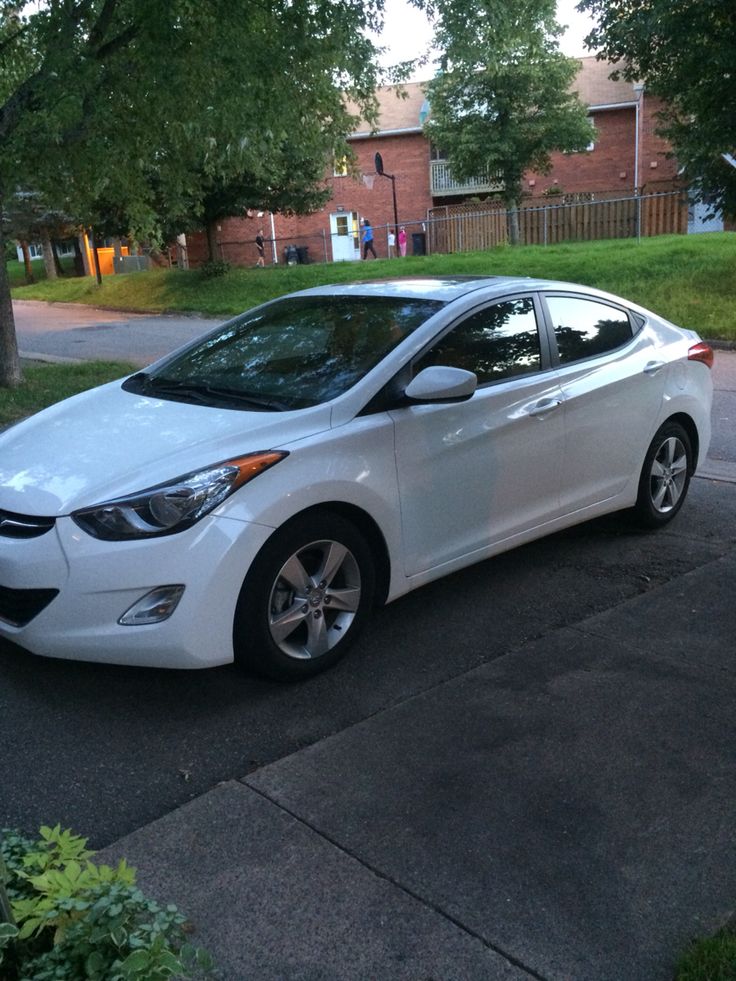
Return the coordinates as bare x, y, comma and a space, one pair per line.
340, 168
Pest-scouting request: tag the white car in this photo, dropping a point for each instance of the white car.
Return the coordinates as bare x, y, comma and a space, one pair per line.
254, 494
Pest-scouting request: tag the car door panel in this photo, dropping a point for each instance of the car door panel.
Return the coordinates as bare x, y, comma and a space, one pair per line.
608, 397
474, 473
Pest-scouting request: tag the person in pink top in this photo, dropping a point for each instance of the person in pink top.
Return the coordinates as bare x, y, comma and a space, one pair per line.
402, 241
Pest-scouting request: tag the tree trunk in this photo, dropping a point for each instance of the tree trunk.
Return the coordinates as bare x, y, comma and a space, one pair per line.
27, 262
10, 373
212, 240
95, 257
48, 254
57, 262
79, 263
512, 207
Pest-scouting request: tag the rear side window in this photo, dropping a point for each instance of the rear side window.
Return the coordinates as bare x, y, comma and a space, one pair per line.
498, 342
585, 328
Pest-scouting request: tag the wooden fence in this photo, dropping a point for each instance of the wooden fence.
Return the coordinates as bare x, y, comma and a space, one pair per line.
468, 227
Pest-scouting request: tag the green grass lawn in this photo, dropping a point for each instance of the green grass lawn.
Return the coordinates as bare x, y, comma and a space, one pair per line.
17, 272
44, 384
688, 279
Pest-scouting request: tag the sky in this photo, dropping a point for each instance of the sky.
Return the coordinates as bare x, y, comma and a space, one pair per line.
407, 32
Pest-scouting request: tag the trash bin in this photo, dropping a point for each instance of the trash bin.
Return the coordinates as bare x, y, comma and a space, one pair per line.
418, 243
291, 255
302, 252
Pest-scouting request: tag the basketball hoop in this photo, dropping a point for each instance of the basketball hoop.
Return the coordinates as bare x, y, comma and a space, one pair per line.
368, 180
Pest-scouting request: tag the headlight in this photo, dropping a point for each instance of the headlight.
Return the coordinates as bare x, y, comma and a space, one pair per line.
175, 505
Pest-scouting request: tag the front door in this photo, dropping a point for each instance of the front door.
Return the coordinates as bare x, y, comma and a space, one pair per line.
345, 235
474, 473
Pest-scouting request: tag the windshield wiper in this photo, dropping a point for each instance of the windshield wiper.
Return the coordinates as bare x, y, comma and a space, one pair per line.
206, 393
248, 398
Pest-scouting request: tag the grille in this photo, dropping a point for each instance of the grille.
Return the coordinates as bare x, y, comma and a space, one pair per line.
23, 525
20, 606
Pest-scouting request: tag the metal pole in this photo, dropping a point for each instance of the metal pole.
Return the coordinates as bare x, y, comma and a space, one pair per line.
273, 241
396, 213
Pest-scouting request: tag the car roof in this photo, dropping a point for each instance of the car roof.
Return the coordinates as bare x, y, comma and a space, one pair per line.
443, 288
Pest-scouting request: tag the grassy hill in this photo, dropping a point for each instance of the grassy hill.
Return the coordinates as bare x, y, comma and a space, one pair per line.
688, 279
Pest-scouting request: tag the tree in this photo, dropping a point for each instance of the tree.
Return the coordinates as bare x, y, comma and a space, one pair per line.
126, 113
502, 102
685, 53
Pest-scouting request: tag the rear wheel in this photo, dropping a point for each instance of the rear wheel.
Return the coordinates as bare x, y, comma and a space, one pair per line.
665, 476
305, 599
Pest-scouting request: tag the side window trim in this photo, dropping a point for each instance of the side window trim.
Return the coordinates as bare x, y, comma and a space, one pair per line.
634, 327
545, 348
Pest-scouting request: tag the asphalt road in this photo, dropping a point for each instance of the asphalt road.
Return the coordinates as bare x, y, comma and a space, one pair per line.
67, 330
108, 749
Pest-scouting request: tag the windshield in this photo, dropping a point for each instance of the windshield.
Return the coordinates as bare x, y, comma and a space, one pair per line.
297, 352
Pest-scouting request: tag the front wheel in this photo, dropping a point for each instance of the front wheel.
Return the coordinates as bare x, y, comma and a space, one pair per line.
305, 598
665, 476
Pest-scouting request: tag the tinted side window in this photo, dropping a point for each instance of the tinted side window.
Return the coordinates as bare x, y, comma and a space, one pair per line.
496, 343
584, 328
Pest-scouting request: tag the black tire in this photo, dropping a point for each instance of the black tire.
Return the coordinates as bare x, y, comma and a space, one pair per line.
305, 599
665, 476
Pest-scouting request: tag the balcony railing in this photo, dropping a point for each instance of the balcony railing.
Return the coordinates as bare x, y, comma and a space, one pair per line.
442, 182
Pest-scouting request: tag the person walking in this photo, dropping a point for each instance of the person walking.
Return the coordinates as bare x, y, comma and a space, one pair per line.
402, 241
391, 244
368, 240
260, 246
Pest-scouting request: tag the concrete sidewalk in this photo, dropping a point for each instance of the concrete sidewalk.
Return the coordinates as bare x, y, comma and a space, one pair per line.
565, 811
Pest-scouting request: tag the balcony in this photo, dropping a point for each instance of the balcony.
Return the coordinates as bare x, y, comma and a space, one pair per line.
442, 183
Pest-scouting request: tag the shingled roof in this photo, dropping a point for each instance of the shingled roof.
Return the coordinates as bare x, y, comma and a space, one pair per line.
400, 106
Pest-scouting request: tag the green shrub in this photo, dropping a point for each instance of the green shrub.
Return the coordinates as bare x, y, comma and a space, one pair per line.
77, 920
214, 268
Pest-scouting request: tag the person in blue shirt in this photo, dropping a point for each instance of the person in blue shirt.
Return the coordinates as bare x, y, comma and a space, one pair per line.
368, 240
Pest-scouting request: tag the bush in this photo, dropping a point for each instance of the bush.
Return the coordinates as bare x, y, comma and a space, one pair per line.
214, 268
75, 919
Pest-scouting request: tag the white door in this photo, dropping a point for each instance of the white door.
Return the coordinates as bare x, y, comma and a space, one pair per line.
700, 218
478, 472
345, 235
613, 385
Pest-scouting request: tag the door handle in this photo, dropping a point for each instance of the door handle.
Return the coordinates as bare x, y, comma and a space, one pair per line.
652, 367
542, 408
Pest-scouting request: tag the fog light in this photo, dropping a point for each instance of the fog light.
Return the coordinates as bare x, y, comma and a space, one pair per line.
155, 606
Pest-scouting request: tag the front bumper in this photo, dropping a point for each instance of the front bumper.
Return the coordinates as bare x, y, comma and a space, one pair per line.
98, 581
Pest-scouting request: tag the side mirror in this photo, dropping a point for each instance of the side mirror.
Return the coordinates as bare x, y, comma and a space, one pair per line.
439, 383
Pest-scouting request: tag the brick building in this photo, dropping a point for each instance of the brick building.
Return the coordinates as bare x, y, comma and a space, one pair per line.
626, 155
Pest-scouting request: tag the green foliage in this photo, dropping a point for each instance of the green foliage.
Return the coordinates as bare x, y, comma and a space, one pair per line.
75, 919
502, 102
214, 268
143, 117
685, 53
709, 958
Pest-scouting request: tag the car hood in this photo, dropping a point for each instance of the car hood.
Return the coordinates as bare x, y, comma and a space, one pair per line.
108, 442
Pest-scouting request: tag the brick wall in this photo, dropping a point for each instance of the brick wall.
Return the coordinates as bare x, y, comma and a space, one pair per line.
406, 157
608, 168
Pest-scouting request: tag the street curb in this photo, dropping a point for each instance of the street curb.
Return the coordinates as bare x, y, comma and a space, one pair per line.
49, 358
193, 314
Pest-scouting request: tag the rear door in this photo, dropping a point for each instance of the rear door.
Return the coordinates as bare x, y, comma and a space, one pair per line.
613, 385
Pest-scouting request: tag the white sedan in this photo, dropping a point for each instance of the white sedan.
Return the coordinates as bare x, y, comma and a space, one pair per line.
253, 495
